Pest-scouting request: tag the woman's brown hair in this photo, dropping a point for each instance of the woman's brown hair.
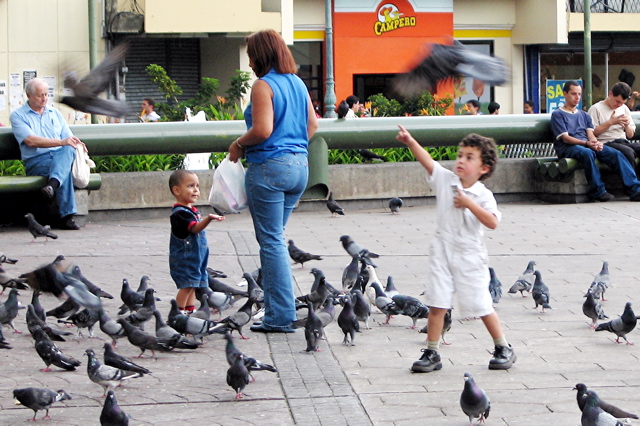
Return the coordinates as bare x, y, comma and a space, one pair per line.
267, 49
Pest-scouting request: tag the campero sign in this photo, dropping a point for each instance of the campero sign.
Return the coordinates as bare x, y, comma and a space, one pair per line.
390, 18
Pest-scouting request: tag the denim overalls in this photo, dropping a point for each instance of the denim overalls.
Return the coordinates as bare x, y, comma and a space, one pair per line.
188, 257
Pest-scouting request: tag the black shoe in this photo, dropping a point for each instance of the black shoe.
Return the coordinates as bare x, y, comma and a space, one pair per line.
605, 197
264, 328
428, 362
635, 197
69, 224
503, 358
48, 192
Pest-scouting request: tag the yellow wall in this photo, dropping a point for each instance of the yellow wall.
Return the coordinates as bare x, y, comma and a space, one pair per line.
540, 21
606, 22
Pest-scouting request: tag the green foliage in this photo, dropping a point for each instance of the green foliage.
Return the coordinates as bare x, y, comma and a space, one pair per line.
383, 107
165, 83
137, 163
12, 168
238, 86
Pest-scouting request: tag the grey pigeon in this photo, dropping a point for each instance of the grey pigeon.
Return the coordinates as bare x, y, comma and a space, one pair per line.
355, 249
217, 300
390, 289
347, 321
524, 281
350, 274
106, 376
74, 270
111, 327
38, 230
9, 310
144, 340
394, 205
447, 62
369, 277
86, 92
317, 275
611, 409
384, 303
369, 156
5, 259
361, 307
411, 307
318, 295
216, 274
113, 359
238, 377
446, 326
593, 415
37, 307
474, 401
204, 310
540, 292
300, 256
313, 330
7, 280
601, 282
163, 330
145, 312
78, 291
186, 325
217, 285
3, 342
112, 414
232, 354
66, 309
238, 319
85, 318
50, 354
132, 299
334, 207
33, 322
39, 399
495, 286
621, 326
593, 309
255, 291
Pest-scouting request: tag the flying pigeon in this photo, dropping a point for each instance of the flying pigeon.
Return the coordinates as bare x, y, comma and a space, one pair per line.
621, 326
313, 330
601, 282
347, 321
39, 399
593, 415
333, 207
474, 401
74, 270
38, 230
524, 281
369, 156
238, 377
86, 91
50, 354
112, 359
9, 310
611, 409
444, 63
300, 256
495, 286
106, 376
592, 309
394, 205
112, 414
540, 292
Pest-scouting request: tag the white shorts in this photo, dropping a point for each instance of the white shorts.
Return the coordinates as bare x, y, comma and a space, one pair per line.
461, 270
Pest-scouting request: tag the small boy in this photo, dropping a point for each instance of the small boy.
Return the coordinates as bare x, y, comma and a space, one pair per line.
188, 248
458, 257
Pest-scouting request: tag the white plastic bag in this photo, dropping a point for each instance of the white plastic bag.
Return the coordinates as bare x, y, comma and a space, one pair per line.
81, 169
227, 192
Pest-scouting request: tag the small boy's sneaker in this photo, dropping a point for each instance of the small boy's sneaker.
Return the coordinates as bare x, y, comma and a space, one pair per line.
503, 358
428, 362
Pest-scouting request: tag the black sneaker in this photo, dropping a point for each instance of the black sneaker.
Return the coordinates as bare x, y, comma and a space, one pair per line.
605, 197
503, 358
428, 362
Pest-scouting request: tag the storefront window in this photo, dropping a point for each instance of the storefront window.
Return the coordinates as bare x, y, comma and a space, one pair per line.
308, 56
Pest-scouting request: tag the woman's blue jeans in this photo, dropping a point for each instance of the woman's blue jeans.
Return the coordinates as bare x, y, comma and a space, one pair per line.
56, 164
273, 189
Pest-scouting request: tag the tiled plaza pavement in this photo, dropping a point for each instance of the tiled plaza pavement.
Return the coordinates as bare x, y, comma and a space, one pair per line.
368, 383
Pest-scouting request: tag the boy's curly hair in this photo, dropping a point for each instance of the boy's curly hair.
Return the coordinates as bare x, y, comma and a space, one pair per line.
488, 152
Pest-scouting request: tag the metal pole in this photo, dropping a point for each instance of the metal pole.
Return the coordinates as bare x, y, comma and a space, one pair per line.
330, 94
588, 84
94, 24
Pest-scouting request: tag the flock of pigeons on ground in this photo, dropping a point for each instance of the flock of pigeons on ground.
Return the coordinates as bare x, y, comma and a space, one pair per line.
361, 290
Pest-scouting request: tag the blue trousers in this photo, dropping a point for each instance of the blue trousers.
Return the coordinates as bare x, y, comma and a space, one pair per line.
57, 164
273, 189
609, 156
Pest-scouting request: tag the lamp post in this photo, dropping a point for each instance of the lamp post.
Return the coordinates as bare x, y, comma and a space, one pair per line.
588, 89
93, 41
329, 93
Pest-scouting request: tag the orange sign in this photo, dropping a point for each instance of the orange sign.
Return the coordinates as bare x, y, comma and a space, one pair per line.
390, 18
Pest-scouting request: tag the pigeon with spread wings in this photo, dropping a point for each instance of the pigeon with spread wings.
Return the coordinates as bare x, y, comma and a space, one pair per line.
86, 91
446, 62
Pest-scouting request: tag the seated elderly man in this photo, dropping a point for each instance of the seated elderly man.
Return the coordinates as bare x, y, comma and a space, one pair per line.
47, 147
613, 122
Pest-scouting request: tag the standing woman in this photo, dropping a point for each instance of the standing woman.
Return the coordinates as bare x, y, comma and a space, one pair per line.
280, 121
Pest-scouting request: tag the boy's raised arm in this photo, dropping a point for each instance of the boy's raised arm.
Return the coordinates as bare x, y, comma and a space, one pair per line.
419, 152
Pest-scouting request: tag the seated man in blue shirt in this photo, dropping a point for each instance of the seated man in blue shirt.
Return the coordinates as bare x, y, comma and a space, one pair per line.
574, 138
47, 147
